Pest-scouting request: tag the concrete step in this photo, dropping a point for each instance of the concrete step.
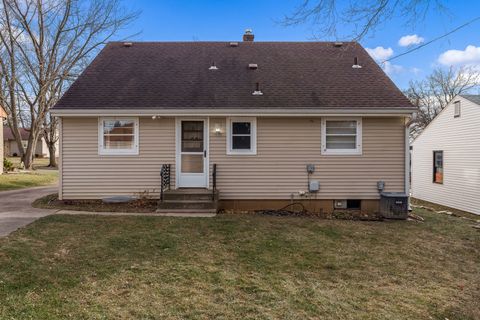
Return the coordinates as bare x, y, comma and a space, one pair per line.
190, 194
188, 201
188, 204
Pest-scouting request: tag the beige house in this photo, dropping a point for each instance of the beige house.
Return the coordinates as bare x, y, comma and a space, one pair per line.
255, 124
11, 146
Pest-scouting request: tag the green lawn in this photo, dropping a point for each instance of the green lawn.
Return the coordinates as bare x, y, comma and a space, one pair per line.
11, 181
240, 267
38, 163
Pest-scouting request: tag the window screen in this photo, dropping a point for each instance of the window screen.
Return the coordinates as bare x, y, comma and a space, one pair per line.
341, 135
118, 134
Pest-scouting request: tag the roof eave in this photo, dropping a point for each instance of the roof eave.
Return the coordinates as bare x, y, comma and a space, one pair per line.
233, 112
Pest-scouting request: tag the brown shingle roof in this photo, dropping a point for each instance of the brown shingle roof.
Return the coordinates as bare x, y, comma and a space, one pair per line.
165, 75
8, 134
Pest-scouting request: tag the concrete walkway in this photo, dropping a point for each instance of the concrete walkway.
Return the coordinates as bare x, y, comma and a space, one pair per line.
16, 208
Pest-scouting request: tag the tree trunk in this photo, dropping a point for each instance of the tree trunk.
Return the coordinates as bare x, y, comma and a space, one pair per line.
27, 157
51, 152
29, 154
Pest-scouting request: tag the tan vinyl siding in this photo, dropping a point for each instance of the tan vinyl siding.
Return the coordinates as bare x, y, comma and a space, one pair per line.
286, 145
89, 175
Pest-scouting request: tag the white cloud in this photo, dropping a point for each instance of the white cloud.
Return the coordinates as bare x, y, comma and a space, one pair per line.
469, 56
390, 68
409, 40
380, 53
416, 71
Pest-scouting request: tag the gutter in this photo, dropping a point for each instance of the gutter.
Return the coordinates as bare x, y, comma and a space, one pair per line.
231, 112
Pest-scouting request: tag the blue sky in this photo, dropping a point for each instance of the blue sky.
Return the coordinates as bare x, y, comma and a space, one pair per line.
215, 20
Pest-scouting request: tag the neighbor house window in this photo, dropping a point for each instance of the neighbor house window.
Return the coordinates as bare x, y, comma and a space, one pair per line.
118, 136
457, 110
241, 136
438, 166
342, 136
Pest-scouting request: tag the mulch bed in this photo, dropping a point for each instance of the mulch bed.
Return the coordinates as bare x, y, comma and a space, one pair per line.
298, 210
52, 202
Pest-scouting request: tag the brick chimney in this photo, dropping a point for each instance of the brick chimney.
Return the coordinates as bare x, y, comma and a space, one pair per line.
248, 35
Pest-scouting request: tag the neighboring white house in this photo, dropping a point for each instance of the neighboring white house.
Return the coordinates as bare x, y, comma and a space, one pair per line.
446, 157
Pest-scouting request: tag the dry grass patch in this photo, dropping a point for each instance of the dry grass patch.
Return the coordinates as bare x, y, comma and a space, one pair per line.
11, 181
438, 207
240, 267
38, 163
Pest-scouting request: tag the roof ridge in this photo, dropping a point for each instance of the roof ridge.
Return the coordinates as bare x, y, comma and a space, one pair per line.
228, 41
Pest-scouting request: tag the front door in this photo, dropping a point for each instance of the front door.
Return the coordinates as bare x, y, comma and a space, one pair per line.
192, 165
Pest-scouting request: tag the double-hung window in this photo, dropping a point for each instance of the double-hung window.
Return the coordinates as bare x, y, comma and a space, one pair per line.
241, 136
118, 136
438, 167
341, 136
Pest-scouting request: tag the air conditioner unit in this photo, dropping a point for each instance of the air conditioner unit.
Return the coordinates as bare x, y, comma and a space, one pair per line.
394, 205
340, 204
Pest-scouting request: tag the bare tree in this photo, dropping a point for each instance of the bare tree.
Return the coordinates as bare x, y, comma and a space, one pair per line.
44, 45
432, 94
363, 16
50, 135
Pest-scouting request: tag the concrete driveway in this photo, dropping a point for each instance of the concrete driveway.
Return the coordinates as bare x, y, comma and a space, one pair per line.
16, 207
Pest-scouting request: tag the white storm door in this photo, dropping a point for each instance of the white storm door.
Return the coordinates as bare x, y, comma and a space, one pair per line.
192, 158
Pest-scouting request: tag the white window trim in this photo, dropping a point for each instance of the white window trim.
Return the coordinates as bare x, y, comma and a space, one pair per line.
346, 152
118, 152
253, 134
455, 113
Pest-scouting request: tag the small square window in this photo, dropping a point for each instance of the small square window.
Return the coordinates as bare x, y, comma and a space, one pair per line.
118, 136
241, 136
341, 136
457, 110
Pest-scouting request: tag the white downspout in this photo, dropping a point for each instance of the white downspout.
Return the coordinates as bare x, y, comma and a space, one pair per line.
60, 158
407, 159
